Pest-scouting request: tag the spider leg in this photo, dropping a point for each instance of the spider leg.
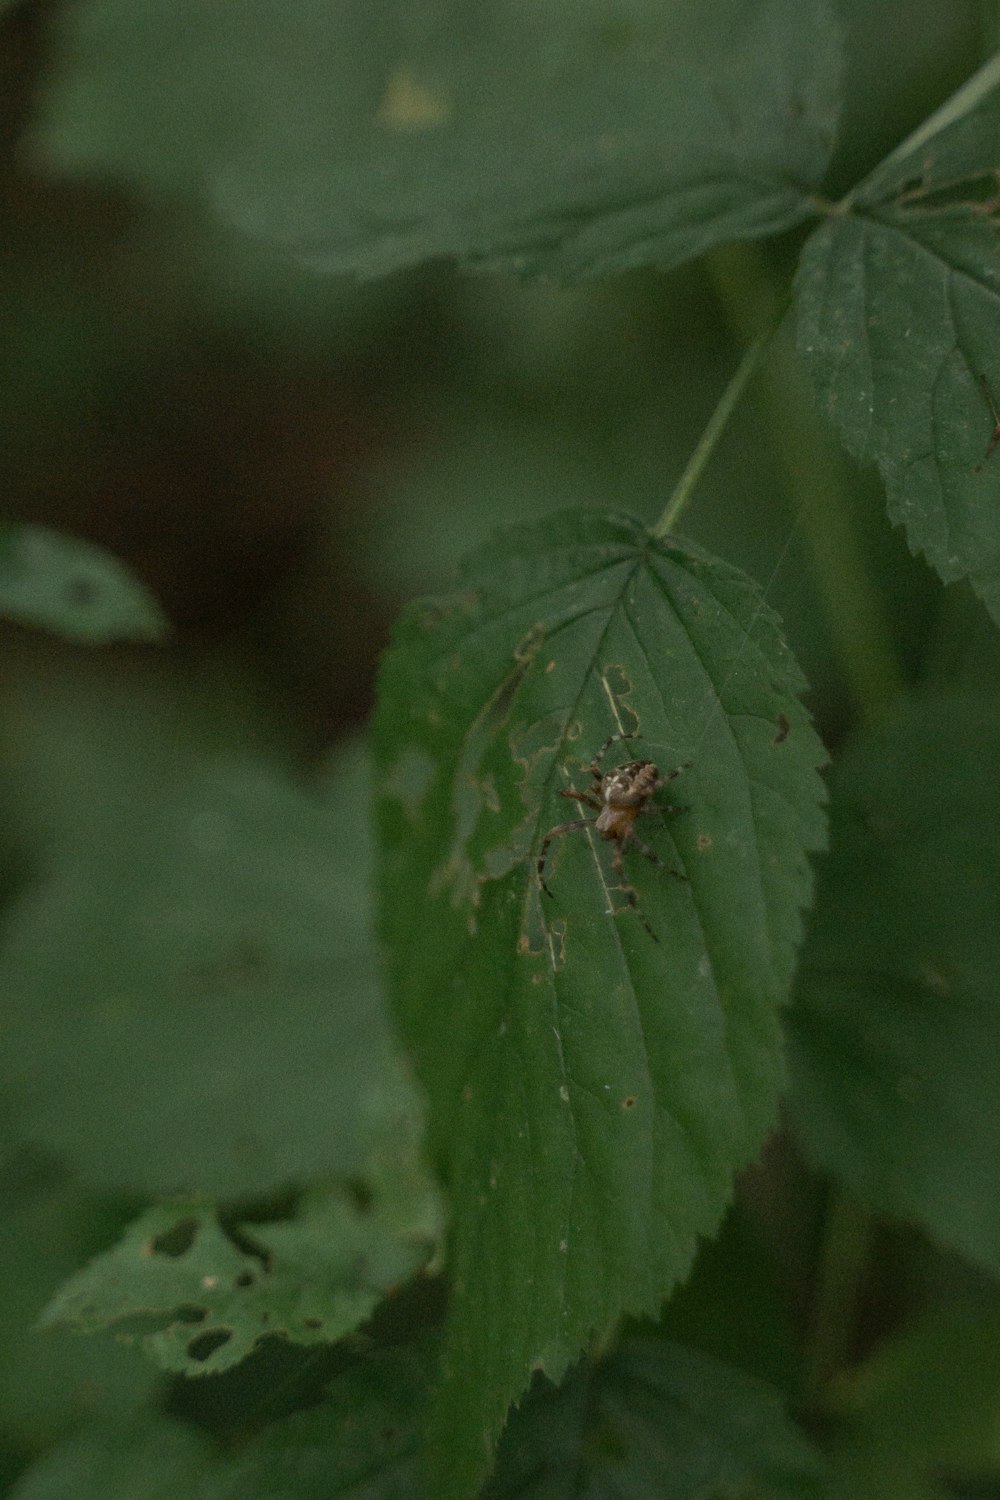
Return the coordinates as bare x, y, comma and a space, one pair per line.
586, 797
629, 891
595, 765
667, 807
556, 833
652, 855
672, 775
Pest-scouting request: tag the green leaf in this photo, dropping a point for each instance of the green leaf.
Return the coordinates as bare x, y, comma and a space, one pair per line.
202, 1303
73, 588
153, 1459
893, 1035
596, 1072
653, 1420
735, 1306
658, 1421
51, 1385
358, 1442
567, 138
927, 1398
207, 975
899, 319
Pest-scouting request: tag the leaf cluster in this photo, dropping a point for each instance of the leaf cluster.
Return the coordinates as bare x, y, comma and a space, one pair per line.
404, 1108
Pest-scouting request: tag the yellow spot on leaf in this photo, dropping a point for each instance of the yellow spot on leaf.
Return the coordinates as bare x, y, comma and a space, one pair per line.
409, 105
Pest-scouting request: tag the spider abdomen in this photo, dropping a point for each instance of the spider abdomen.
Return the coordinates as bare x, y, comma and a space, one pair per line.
615, 822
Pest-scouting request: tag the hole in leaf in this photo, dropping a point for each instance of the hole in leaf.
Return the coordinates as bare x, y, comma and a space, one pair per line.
245, 1278
175, 1241
204, 1345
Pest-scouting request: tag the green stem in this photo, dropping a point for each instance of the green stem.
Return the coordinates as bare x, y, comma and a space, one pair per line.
843, 1261
818, 484
710, 437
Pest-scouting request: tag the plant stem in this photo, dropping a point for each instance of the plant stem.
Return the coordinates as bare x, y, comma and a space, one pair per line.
818, 483
710, 437
843, 1259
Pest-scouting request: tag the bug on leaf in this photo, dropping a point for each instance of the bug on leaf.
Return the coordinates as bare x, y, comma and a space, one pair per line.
620, 797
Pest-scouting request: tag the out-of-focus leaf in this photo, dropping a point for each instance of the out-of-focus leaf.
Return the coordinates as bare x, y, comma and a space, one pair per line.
893, 1034
899, 318
83, 762
359, 1442
206, 975
596, 1072
71, 587
931, 1392
655, 1422
152, 1459
569, 138
922, 1406
53, 1383
200, 1303
734, 1306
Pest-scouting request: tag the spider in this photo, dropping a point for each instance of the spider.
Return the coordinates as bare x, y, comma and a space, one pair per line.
619, 797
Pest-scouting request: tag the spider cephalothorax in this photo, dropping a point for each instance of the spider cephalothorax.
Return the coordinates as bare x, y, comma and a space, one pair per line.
619, 796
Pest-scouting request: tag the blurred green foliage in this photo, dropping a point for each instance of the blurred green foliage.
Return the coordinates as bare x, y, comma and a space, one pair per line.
206, 432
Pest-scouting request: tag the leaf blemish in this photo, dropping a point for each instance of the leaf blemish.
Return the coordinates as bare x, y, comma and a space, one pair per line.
82, 593
175, 1241
617, 685
409, 105
467, 603
557, 943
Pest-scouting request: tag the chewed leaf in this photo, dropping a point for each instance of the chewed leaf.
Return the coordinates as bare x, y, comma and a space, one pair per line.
597, 1066
358, 1442
569, 138
200, 1302
899, 319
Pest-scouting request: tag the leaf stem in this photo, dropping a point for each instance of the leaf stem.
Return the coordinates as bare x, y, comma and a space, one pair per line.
819, 486
843, 1261
961, 103
710, 437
